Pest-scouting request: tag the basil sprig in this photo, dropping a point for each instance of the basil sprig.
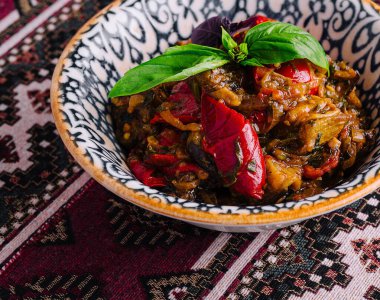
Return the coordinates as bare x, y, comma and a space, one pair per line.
177, 63
266, 43
237, 52
276, 42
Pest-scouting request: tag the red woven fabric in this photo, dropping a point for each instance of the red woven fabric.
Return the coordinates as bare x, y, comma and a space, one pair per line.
63, 236
94, 236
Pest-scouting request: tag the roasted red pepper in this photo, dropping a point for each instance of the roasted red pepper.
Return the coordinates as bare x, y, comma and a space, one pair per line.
185, 106
331, 163
144, 173
234, 145
161, 160
180, 168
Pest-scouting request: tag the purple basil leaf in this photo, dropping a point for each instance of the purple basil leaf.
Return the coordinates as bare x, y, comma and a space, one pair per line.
209, 32
248, 23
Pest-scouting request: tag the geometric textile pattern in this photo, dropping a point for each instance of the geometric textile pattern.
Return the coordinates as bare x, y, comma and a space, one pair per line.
309, 257
58, 232
64, 236
54, 287
35, 167
136, 227
369, 253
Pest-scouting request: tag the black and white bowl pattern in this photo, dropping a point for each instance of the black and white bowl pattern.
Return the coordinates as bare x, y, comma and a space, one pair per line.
132, 31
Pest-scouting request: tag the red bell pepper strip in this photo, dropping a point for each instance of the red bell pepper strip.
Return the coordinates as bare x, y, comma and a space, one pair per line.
313, 173
161, 160
186, 108
188, 167
234, 145
180, 168
144, 174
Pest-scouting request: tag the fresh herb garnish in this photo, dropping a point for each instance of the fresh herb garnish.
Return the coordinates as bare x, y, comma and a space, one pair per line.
266, 43
276, 42
208, 33
176, 64
236, 52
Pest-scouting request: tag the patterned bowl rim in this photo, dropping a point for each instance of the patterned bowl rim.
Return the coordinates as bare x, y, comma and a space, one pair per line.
263, 218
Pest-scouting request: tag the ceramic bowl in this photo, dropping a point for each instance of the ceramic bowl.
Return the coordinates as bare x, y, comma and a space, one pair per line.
129, 32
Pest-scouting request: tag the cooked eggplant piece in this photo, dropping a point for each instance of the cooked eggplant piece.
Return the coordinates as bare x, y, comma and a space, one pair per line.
320, 131
224, 83
203, 159
281, 176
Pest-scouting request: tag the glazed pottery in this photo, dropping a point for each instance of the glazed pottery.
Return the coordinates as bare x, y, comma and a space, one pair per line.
129, 32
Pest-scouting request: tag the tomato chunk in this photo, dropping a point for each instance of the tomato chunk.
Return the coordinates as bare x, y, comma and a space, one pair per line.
298, 70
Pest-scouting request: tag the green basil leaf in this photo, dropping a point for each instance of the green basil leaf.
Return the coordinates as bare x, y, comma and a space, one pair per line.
253, 62
227, 40
276, 42
175, 64
243, 48
240, 53
237, 52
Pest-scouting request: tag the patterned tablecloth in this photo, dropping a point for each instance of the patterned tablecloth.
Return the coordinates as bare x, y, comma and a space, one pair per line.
63, 236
